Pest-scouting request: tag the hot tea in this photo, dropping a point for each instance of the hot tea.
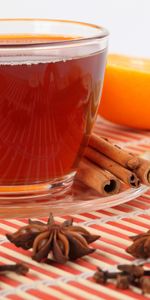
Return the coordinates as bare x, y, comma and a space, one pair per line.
46, 115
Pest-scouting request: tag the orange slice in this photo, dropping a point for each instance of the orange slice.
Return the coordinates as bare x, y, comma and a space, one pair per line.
126, 93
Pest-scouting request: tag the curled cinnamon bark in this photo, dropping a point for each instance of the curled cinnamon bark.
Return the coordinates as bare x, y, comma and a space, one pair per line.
143, 171
97, 178
114, 152
106, 163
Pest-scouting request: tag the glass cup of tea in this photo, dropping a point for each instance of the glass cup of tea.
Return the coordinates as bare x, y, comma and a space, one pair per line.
51, 77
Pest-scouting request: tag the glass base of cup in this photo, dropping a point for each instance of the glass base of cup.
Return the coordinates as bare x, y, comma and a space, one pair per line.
53, 188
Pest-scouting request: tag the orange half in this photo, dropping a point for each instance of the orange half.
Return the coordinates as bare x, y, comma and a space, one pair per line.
126, 92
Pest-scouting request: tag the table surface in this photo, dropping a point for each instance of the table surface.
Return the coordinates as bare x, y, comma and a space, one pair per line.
74, 279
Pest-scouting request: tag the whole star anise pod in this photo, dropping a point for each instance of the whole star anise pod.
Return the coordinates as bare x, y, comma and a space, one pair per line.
140, 247
63, 241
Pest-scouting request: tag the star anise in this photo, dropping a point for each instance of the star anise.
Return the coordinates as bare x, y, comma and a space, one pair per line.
140, 247
63, 241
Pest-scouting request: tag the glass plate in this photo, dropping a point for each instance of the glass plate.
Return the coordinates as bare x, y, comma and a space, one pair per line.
80, 199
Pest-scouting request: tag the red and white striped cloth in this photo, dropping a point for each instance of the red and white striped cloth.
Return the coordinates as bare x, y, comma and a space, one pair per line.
74, 279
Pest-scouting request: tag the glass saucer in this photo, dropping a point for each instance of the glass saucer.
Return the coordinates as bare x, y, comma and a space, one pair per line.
80, 199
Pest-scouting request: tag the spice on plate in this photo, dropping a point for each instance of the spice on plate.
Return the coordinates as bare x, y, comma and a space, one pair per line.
106, 165
63, 241
114, 152
140, 248
128, 275
127, 176
95, 177
143, 171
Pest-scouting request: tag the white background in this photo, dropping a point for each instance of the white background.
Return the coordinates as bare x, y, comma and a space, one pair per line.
127, 20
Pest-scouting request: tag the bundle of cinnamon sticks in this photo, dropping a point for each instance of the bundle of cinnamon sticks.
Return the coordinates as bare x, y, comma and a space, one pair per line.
105, 166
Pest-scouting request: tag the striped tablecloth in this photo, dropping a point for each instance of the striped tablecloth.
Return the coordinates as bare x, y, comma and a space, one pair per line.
74, 279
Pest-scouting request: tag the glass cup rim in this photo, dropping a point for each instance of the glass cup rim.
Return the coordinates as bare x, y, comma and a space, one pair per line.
103, 33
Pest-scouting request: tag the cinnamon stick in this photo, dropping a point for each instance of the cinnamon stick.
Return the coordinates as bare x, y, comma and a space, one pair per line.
114, 152
104, 162
143, 171
98, 179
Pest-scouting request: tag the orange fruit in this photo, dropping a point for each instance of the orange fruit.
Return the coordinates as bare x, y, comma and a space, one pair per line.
126, 92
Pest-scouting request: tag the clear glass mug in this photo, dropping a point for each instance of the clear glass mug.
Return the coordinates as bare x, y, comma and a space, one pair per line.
51, 76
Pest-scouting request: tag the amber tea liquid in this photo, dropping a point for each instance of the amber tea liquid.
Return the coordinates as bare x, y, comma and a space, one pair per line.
46, 114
